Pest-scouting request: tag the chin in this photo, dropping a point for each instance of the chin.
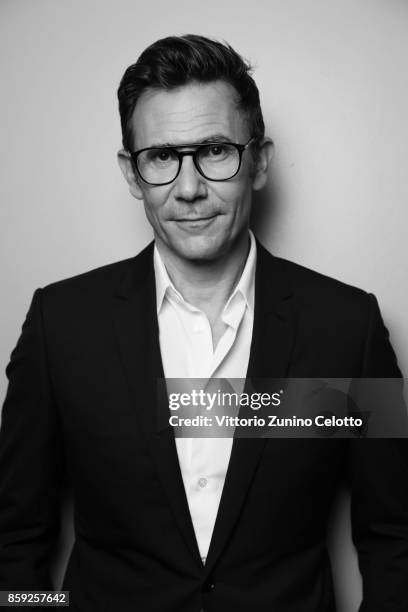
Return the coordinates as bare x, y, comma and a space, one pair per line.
201, 248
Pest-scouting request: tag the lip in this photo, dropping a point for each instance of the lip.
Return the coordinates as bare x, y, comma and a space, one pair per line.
195, 219
195, 223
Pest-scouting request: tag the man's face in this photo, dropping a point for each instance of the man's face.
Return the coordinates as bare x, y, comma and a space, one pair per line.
194, 218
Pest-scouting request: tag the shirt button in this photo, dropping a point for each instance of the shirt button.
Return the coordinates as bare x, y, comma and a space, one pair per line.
198, 329
202, 482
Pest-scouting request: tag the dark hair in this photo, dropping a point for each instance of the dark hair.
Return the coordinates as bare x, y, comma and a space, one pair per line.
179, 60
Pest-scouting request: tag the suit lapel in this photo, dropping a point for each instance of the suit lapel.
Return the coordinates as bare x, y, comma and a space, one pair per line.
271, 347
136, 326
274, 319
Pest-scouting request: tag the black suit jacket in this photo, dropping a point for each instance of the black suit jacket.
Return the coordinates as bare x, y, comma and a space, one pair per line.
81, 403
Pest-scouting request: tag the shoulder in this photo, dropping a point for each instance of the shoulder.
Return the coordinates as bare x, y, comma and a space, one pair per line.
338, 324
306, 282
319, 297
103, 280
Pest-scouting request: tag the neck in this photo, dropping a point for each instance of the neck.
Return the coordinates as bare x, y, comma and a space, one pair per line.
207, 285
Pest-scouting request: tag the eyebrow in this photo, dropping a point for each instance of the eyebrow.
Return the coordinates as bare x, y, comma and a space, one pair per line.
212, 138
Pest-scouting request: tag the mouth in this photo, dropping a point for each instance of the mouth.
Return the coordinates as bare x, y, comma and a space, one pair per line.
195, 222
195, 219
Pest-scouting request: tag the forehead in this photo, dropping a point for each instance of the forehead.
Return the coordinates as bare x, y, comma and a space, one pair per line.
191, 113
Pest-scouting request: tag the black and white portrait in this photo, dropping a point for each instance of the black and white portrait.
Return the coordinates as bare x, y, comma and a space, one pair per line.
211, 191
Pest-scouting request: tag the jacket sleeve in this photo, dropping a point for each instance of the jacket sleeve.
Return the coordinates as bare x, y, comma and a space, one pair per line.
30, 462
378, 473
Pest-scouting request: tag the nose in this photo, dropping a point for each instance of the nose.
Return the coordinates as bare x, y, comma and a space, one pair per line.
189, 184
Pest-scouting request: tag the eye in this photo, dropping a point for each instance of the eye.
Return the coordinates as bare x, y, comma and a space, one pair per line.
216, 150
159, 156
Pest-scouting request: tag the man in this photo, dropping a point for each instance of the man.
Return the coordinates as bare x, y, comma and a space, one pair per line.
193, 524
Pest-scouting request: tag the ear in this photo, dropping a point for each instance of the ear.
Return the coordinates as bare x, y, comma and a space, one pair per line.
125, 164
264, 158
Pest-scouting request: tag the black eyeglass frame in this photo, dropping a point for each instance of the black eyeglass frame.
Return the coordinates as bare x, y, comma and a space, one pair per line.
180, 154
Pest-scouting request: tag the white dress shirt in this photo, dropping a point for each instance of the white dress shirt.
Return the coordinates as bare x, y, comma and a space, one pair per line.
187, 352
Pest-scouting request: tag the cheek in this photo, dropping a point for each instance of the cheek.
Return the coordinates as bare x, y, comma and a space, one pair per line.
154, 201
235, 197
239, 189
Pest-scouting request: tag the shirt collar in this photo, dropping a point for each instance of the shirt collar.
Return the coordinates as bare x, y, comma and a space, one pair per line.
163, 282
245, 286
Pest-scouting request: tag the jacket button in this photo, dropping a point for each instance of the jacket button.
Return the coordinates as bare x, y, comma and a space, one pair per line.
208, 586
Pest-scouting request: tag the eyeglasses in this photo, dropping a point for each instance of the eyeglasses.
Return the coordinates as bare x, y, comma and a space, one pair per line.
215, 161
